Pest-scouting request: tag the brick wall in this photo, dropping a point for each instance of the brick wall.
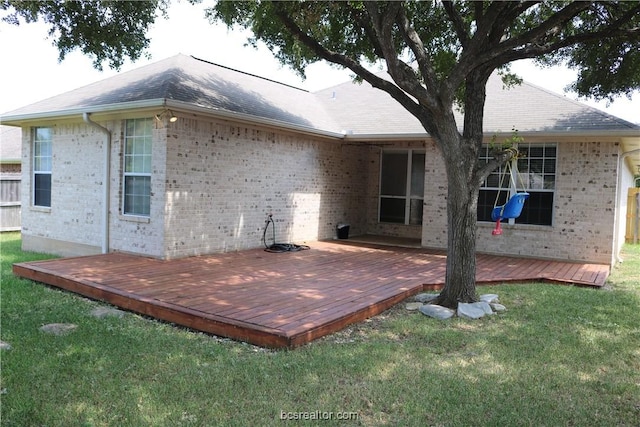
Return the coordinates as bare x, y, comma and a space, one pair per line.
583, 215
223, 179
130, 233
76, 182
73, 225
214, 182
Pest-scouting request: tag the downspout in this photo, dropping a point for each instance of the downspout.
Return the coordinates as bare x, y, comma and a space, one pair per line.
107, 181
616, 228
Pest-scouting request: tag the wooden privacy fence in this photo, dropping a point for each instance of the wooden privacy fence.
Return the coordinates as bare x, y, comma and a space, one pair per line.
10, 205
632, 234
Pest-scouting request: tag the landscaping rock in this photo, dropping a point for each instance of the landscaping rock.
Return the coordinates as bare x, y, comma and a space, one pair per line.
489, 298
58, 328
102, 312
487, 305
474, 310
484, 306
413, 305
5, 345
426, 297
498, 307
437, 311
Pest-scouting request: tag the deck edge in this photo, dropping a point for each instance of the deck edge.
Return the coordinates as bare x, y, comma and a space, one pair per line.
194, 319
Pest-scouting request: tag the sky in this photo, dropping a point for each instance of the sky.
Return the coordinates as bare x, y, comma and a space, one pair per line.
30, 71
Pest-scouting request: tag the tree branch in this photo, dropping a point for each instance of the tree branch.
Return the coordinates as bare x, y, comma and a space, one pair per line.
403, 75
531, 45
487, 32
499, 158
550, 25
536, 50
398, 94
456, 20
414, 42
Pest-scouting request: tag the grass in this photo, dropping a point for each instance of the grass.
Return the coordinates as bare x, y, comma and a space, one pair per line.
559, 356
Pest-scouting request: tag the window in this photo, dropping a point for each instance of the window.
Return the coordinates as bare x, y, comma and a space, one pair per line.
137, 167
42, 162
402, 187
534, 172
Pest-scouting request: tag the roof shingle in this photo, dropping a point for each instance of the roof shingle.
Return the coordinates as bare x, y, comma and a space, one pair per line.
346, 108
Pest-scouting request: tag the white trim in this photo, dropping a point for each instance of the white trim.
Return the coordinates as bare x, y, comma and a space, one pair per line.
72, 113
126, 174
347, 135
34, 171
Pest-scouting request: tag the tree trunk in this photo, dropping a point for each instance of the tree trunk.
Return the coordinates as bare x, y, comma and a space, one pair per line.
460, 281
460, 154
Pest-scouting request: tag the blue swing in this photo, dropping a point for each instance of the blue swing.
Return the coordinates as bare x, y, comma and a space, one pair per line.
511, 209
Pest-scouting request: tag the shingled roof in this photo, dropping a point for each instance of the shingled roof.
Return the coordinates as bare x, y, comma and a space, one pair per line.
349, 108
361, 109
190, 82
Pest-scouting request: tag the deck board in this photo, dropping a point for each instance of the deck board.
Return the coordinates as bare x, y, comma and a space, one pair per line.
281, 300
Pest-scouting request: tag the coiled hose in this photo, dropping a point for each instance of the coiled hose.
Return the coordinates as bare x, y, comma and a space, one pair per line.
278, 247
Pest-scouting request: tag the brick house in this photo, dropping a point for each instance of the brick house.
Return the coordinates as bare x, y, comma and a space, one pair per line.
184, 157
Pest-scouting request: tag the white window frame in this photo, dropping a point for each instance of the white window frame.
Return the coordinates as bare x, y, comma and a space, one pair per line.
42, 163
137, 152
524, 180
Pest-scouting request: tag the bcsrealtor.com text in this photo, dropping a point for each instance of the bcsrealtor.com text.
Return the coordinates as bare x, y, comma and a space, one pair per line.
318, 415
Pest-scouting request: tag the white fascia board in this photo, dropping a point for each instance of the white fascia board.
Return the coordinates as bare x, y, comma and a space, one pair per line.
17, 120
619, 133
387, 137
96, 111
248, 118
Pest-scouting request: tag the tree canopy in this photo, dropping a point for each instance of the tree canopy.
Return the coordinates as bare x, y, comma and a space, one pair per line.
442, 39
107, 31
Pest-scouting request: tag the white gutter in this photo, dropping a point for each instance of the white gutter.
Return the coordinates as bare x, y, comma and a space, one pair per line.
386, 136
619, 196
16, 119
107, 185
618, 133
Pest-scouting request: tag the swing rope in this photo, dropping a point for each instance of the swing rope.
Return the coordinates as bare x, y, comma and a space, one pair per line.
498, 230
507, 170
519, 197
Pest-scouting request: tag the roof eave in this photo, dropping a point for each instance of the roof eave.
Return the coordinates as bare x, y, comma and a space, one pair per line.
248, 118
386, 136
621, 133
19, 119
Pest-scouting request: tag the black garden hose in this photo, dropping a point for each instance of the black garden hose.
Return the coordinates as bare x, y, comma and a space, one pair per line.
279, 247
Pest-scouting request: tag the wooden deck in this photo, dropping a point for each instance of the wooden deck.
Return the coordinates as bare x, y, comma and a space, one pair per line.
286, 299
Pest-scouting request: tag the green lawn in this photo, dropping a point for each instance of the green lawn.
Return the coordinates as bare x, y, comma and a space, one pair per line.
559, 356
